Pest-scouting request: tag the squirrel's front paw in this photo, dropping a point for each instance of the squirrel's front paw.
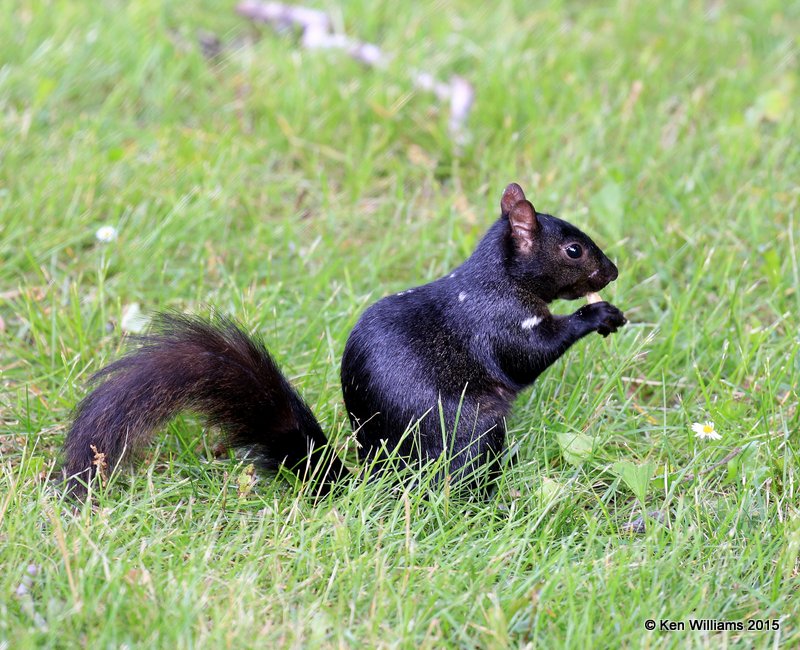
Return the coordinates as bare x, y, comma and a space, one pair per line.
603, 317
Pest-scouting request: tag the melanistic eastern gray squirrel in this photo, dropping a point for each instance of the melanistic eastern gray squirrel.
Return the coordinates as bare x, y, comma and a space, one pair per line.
428, 370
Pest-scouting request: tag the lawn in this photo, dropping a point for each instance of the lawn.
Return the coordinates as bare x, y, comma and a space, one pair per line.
291, 188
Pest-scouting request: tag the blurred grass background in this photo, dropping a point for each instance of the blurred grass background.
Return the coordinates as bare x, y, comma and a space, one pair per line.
291, 188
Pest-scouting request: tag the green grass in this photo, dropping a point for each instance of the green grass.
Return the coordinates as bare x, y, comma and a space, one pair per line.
291, 189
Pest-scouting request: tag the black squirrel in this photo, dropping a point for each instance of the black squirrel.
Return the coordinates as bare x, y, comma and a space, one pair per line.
428, 370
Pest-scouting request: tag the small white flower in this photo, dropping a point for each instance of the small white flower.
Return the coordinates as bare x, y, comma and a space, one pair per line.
705, 431
106, 234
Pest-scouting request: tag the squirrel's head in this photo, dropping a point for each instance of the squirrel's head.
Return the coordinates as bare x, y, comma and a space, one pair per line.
550, 256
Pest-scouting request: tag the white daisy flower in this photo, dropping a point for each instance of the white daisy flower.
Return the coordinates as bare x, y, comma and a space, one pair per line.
705, 431
106, 234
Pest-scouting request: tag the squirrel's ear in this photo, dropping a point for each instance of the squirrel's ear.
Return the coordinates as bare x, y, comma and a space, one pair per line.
524, 225
512, 195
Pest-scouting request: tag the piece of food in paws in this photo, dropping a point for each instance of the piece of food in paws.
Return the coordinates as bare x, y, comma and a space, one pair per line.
592, 298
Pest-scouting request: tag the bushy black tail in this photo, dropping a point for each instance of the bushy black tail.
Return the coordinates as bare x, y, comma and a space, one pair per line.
210, 367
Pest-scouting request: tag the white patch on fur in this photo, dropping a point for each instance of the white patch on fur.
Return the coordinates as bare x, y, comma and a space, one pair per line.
462, 297
530, 323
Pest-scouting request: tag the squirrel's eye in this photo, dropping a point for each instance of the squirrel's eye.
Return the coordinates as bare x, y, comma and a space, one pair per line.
574, 251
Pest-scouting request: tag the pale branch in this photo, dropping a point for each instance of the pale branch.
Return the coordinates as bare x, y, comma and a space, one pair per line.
317, 33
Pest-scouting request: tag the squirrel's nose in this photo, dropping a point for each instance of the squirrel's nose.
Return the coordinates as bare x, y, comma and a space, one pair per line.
611, 270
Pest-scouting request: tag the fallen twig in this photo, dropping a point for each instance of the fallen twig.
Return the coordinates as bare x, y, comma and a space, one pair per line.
317, 33
724, 460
